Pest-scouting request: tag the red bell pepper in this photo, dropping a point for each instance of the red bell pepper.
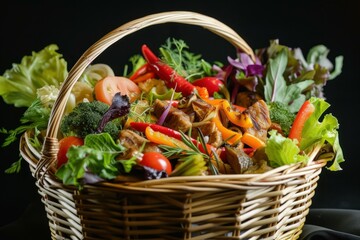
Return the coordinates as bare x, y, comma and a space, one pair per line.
212, 84
141, 126
168, 74
303, 114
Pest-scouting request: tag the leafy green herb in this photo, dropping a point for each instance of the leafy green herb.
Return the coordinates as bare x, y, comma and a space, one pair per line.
189, 65
190, 162
35, 117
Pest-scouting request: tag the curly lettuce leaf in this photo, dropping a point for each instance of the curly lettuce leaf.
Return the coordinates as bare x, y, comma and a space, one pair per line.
19, 84
316, 131
282, 151
95, 160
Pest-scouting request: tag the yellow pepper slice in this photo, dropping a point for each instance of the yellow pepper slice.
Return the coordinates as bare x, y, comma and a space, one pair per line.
161, 138
237, 118
252, 141
240, 119
230, 136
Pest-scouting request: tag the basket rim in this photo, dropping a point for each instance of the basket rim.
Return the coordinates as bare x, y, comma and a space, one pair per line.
275, 176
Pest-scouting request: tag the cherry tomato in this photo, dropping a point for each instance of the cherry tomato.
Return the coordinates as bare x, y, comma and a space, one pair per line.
156, 161
106, 88
64, 145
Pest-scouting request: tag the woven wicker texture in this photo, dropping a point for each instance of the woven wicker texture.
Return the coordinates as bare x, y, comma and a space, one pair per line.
272, 205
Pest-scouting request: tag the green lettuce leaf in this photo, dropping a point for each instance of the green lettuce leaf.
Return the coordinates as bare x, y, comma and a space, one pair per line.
95, 158
19, 84
320, 132
282, 151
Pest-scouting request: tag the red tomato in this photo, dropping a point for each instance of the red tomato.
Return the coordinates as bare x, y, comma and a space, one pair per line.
106, 88
64, 145
156, 161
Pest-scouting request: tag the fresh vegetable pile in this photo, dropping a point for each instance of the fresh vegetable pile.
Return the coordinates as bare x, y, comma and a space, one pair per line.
176, 114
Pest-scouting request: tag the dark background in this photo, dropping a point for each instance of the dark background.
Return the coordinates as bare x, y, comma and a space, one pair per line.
75, 26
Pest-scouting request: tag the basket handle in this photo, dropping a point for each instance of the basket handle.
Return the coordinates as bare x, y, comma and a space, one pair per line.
50, 146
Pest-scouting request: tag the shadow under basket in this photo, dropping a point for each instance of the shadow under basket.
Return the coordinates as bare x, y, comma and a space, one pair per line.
271, 205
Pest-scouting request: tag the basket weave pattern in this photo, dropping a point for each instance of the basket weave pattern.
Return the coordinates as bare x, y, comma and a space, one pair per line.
272, 205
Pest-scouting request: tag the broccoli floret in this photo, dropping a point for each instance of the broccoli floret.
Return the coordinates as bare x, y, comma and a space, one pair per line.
85, 119
280, 114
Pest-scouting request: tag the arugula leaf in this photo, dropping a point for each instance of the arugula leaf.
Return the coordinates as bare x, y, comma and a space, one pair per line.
276, 88
317, 55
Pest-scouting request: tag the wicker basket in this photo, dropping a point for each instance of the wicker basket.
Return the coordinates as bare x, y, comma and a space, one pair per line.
272, 205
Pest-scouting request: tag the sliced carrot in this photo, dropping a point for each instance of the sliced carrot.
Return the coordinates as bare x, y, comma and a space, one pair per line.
301, 117
239, 108
203, 92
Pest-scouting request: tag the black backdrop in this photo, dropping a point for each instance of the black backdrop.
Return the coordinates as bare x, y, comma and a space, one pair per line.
75, 26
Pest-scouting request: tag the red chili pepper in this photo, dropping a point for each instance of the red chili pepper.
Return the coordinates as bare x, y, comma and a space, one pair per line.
144, 77
303, 114
140, 71
168, 74
212, 84
141, 126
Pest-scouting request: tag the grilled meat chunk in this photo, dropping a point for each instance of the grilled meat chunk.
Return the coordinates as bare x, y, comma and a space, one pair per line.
202, 109
247, 98
238, 159
260, 117
176, 119
133, 142
209, 130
